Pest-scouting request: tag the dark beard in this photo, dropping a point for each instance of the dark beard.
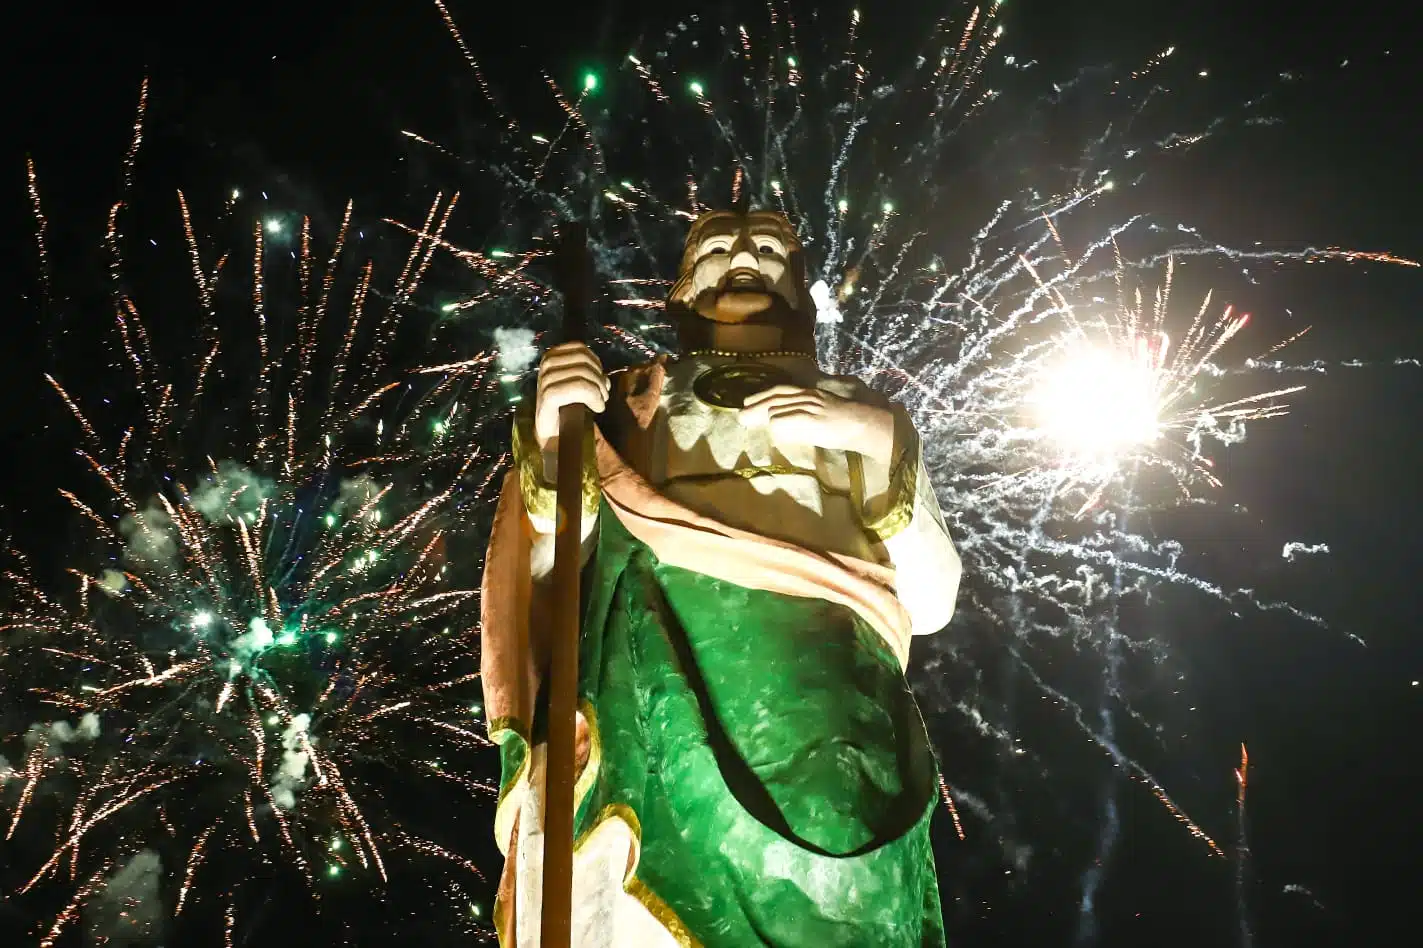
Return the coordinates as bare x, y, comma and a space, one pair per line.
696, 331
730, 305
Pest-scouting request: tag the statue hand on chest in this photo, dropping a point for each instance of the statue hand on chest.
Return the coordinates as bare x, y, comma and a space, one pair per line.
820, 418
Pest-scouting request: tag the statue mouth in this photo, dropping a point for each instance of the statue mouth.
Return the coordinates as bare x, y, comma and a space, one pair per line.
743, 294
743, 278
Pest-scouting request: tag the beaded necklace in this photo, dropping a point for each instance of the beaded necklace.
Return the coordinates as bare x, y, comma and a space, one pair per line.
728, 354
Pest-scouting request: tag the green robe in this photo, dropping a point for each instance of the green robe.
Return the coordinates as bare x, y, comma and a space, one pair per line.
767, 747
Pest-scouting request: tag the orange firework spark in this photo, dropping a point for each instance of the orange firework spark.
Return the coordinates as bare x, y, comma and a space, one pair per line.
474, 65
952, 807
238, 652
647, 77
41, 225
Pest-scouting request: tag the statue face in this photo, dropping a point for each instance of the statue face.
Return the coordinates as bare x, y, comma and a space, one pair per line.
737, 268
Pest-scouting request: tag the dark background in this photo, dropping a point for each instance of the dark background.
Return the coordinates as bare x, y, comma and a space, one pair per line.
306, 100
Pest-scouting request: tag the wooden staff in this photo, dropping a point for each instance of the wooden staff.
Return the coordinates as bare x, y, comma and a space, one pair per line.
556, 921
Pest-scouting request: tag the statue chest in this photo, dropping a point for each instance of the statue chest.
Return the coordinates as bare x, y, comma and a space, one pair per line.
701, 432
695, 449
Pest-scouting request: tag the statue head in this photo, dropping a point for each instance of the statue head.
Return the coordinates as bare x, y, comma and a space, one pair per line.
743, 269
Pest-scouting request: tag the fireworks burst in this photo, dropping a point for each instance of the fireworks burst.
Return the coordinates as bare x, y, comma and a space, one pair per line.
252, 654
262, 661
1112, 388
1049, 372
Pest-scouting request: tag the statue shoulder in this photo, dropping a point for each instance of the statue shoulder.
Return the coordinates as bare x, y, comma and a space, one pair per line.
637, 393
634, 380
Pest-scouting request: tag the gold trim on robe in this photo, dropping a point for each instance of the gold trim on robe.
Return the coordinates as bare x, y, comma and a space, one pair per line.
541, 497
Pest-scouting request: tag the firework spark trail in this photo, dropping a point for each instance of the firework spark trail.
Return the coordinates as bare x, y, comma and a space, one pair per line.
1106, 743
1036, 488
1109, 828
71, 911
41, 226
237, 623
474, 66
131, 158
948, 798
1242, 852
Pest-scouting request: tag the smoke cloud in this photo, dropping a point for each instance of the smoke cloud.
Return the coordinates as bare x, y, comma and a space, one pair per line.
128, 910
355, 493
150, 536
291, 775
56, 734
235, 491
826, 309
113, 582
516, 350
256, 640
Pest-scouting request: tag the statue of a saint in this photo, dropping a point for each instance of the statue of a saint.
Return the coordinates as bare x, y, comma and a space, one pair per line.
761, 542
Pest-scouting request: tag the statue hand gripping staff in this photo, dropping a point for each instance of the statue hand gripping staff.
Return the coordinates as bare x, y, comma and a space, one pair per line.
760, 544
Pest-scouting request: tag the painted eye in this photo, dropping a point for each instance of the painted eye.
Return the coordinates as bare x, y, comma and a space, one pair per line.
718, 250
766, 248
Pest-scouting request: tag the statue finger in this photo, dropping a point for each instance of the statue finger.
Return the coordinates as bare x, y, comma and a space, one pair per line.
570, 353
571, 374
792, 402
575, 370
774, 391
563, 348
795, 411
785, 401
581, 392
581, 355
766, 411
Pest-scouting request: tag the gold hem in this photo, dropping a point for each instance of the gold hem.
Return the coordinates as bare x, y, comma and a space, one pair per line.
660, 911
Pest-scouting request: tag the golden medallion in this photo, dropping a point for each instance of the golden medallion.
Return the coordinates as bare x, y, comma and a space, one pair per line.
727, 386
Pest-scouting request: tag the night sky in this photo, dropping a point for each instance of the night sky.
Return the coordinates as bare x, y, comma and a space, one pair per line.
306, 101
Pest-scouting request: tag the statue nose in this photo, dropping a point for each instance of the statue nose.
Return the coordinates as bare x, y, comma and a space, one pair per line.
745, 260
742, 255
